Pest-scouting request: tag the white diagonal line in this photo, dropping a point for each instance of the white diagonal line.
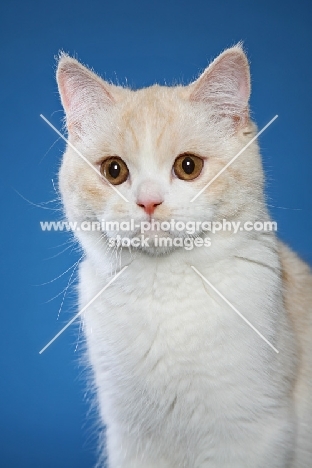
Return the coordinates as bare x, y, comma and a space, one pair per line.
83, 157
233, 159
234, 308
83, 309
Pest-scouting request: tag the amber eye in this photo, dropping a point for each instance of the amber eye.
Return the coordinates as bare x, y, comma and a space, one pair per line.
115, 170
188, 166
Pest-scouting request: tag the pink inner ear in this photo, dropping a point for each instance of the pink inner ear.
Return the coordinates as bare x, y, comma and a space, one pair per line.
83, 95
226, 80
71, 82
64, 90
244, 91
241, 67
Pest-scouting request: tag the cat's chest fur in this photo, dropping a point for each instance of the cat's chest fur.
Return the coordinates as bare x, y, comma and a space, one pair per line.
171, 359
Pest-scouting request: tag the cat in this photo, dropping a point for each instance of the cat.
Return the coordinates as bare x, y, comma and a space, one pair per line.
180, 379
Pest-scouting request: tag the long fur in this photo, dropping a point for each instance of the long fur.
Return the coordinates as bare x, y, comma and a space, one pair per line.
181, 380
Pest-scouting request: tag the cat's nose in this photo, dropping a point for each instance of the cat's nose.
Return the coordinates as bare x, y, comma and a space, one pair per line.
149, 206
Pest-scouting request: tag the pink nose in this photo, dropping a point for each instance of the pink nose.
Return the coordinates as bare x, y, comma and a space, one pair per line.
148, 205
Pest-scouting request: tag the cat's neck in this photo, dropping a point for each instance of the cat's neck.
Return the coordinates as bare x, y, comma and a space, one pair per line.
225, 247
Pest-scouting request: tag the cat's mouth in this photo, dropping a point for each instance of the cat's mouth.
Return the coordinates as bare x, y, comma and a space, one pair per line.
155, 242
154, 236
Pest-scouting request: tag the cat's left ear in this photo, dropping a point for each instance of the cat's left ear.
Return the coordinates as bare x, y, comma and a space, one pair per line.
225, 87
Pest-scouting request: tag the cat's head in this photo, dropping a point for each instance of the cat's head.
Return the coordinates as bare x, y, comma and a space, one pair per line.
154, 149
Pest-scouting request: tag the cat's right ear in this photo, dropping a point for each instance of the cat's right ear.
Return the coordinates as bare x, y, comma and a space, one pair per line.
82, 93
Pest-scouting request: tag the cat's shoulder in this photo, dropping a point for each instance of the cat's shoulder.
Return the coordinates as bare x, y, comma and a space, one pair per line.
297, 289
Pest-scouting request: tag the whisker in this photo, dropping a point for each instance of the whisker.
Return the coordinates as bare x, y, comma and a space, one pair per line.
69, 284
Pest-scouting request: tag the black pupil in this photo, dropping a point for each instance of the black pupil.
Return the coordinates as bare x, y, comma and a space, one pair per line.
188, 165
114, 169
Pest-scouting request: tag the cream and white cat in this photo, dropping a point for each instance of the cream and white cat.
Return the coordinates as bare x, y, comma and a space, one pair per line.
181, 379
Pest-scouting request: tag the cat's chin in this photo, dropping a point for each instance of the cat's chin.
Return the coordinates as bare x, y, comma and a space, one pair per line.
154, 251
166, 245
153, 243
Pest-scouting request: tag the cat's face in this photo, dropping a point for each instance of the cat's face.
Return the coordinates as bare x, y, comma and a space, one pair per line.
158, 147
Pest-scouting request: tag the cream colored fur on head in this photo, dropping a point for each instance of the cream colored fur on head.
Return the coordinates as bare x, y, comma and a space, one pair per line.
181, 380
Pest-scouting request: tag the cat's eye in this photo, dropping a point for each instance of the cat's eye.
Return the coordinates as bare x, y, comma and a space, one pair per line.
188, 166
115, 170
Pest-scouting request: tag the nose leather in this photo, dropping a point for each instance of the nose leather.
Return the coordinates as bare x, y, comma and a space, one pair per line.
149, 206
149, 196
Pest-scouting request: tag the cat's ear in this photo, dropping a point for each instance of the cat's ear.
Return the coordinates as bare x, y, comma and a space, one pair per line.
82, 92
225, 86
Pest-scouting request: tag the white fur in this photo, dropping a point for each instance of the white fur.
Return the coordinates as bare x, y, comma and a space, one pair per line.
181, 377
181, 380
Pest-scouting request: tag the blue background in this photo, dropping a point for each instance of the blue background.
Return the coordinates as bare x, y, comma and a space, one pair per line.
44, 421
